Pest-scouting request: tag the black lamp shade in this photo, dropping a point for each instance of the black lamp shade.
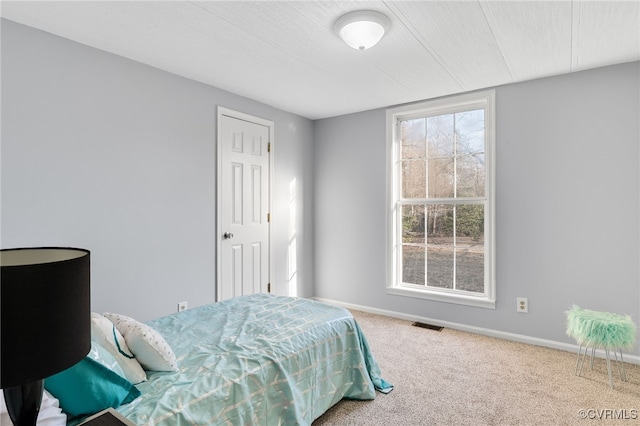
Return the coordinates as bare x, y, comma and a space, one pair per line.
45, 317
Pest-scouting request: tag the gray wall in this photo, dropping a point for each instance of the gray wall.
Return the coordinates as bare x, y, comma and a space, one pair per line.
105, 153
567, 206
111, 155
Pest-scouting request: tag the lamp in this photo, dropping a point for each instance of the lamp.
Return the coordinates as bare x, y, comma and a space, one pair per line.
45, 322
362, 29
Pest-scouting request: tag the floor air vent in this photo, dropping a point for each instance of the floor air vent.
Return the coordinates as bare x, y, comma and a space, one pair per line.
429, 326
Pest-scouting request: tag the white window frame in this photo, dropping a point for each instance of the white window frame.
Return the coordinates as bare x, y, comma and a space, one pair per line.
478, 100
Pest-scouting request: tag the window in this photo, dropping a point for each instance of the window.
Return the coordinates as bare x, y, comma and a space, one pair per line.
441, 199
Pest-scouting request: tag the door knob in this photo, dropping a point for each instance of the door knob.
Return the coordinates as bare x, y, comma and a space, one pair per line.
227, 235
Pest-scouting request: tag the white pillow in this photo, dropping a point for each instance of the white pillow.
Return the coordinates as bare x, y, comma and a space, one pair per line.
50, 413
149, 347
104, 333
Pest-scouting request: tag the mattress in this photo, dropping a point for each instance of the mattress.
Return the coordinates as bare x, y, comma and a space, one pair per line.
257, 360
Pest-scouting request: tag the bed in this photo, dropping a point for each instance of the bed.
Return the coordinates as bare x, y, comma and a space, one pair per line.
256, 360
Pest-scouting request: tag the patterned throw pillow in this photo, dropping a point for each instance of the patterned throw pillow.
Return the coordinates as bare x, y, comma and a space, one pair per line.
149, 347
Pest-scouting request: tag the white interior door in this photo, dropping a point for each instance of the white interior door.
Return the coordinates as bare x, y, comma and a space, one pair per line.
243, 204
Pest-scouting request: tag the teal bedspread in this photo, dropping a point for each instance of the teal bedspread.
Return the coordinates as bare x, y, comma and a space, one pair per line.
257, 360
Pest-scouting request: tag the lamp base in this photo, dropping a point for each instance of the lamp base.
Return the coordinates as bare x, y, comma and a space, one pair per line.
23, 402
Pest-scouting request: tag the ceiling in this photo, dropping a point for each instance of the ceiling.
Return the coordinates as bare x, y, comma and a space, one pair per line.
285, 54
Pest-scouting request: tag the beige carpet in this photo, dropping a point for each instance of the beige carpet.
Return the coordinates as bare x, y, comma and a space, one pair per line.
456, 378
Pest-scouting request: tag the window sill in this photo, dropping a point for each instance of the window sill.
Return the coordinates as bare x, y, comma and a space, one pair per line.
459, 299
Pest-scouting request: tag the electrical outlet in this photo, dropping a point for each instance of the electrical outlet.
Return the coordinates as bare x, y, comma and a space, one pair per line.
182, 306
523, 305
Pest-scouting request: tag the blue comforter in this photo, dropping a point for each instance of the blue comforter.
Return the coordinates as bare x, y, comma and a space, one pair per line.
257, 360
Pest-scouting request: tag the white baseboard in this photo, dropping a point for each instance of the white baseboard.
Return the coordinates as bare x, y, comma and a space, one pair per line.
633, 359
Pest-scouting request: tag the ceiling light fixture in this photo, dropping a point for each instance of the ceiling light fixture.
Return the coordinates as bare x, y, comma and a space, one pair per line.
362, 29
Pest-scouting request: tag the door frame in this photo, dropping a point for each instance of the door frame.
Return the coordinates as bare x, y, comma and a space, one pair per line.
222, 111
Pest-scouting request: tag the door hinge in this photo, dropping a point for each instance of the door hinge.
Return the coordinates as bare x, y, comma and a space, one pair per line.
268, 287
268, 217
269, 147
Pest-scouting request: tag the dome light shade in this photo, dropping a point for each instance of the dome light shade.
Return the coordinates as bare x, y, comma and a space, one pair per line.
362, 29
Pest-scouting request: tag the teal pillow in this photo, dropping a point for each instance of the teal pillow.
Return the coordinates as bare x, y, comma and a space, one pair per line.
89, 387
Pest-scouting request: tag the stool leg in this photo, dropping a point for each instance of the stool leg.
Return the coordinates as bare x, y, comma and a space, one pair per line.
623, 375
586, 348
578, 358
615, 354
609, 367
593, 354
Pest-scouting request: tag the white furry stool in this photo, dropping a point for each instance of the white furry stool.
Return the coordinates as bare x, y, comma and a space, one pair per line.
602, 330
